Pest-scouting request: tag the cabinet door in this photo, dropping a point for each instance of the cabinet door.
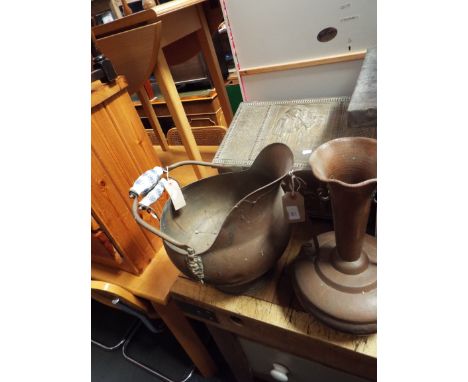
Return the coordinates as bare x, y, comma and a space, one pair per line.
262, 358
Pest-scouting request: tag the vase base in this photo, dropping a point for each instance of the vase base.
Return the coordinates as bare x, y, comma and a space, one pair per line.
344, 301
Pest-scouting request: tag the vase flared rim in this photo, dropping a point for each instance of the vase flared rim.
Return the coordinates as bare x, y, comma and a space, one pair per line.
349, 185
363, 183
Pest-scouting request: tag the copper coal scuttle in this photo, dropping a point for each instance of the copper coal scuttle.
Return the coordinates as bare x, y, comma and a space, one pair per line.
232, 229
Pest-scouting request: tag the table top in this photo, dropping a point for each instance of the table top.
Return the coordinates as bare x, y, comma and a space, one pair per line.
153, 284
274, 302
162, 11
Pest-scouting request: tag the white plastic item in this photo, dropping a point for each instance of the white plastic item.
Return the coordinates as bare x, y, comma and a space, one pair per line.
279, 372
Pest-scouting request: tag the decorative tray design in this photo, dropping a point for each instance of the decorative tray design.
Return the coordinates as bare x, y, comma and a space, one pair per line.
303, 125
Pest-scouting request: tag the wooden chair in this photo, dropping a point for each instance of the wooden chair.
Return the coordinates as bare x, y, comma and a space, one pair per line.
174, 13
134, 54
204, 136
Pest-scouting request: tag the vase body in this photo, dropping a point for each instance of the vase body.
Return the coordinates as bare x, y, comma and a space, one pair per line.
337, 282
351, 208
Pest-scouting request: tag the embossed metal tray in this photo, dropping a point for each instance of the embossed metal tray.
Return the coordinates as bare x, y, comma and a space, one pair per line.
303, 125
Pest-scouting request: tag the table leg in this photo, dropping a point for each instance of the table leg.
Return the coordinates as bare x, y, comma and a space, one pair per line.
174, 104
232, 351
206, 43
176, 321
153, 119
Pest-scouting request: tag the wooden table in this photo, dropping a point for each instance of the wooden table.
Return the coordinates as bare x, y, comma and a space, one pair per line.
180, 18
271, 316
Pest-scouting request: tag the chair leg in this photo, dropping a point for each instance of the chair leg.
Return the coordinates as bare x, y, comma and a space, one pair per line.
133, 312
148, 369
118, 344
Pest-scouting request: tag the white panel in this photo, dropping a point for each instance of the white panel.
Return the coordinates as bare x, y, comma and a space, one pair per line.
268, 32
333, 80
275, 31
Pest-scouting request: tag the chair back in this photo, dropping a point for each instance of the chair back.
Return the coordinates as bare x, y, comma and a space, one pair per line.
204, 136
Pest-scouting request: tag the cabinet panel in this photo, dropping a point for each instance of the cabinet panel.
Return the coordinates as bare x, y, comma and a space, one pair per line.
261, 359
120, 152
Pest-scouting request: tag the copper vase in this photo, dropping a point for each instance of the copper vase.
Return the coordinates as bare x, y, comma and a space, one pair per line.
337, 282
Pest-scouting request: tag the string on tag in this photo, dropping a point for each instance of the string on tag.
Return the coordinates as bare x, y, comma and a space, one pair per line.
293, 201
300, 183
292, 176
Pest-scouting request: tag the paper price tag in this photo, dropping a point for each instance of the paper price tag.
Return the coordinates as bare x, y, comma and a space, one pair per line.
174, 191
293, 206
293, 213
